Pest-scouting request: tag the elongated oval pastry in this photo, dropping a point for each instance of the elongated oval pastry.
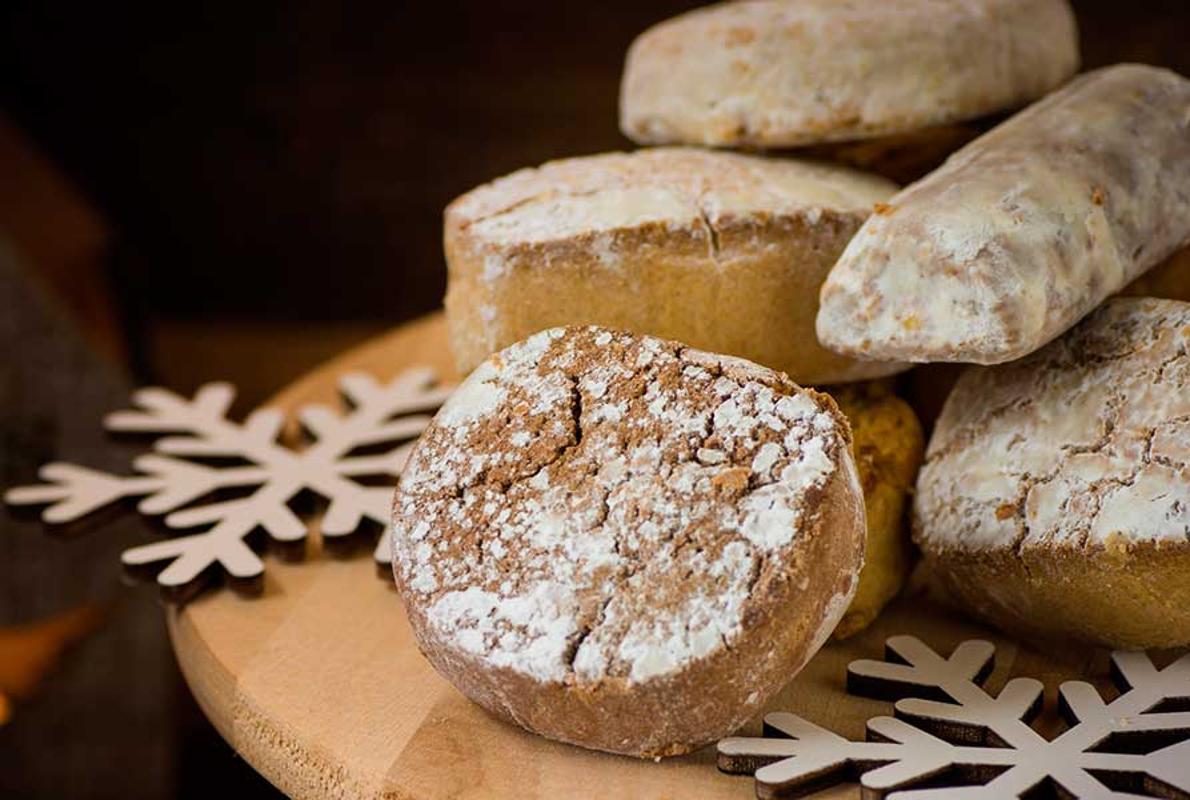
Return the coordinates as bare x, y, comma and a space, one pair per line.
1055, 498
624, 543
721, 251
779, 73
1023, 231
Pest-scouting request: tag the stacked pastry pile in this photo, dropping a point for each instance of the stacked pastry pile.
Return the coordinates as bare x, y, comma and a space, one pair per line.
631, 543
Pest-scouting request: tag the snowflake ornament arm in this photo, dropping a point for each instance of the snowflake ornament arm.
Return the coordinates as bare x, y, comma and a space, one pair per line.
173, 483
952, 740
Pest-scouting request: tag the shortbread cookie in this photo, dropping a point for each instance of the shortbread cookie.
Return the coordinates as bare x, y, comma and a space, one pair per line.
721, 251
1025, 230
624, 543
1055, 498
888, 445
778, 73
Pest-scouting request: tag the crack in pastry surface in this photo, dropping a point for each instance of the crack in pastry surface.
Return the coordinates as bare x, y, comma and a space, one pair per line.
675, 187
1094, 451
627, 496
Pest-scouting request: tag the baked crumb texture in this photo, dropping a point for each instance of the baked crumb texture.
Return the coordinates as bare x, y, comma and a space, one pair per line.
773, 73
1055, 496
599, 512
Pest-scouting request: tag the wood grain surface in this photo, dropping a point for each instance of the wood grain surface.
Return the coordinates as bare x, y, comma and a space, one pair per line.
319, 685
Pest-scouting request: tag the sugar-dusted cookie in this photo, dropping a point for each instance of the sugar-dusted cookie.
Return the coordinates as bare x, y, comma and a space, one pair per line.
779, 73
624, 543
1055, 497
1025, 230
722, 251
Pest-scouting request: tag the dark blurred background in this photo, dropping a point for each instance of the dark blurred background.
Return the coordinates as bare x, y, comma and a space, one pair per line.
239, 191
256, 185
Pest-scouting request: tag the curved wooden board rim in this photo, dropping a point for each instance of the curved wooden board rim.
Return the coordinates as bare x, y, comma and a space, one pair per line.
319, 685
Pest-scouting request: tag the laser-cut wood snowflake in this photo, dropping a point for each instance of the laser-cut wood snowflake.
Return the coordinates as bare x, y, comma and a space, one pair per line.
952, 740
173, 481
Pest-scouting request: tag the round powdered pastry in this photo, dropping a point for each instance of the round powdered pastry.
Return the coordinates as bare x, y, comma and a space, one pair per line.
725, 252
779, 73
1055, 498
627, 544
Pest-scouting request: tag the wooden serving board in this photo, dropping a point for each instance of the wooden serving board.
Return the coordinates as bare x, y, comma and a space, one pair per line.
319, 685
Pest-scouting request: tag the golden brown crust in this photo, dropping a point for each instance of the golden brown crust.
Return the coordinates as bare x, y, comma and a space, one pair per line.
722, 251
888, 447
1123, 596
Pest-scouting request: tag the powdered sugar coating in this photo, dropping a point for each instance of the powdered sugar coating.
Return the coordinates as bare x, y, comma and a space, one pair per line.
1084, 443
681, 188
777, 73
611, 515
1023, 231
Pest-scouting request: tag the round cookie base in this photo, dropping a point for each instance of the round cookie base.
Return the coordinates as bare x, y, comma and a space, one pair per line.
733, 268
608, 666
1120, 595
711, 697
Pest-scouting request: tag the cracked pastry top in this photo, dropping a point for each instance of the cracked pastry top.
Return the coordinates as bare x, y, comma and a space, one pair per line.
1055, 497
1084, 444
601, 513
723, 251
677, 188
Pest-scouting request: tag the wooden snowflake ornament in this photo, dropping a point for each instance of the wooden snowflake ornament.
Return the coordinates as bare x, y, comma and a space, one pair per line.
175, 481
951, 740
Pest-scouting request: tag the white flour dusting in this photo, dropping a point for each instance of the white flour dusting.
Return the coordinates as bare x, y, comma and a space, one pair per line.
595, 504
1084, 443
